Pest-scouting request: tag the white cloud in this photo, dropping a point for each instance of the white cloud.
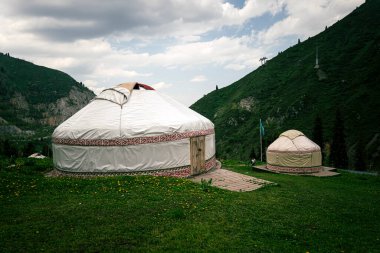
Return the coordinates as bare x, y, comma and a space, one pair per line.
221, 52
109, 70
90, 83
161, 85
199, 78
86, 19
102, 43
307, 18
235, 66
93, 85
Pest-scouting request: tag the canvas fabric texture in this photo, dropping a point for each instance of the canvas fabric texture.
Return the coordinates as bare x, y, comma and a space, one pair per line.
293, 159
132, 158
120, 116
294, 149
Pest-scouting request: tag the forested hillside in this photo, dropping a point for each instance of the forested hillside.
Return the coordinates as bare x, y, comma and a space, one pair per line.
288, 92
35, 99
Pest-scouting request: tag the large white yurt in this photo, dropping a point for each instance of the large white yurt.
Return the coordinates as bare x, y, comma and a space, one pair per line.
293, 152
134, 129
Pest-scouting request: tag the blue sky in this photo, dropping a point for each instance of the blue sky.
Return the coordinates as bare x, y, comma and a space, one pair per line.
182, 48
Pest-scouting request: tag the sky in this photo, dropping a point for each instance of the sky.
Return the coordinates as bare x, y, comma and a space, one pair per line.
182, 48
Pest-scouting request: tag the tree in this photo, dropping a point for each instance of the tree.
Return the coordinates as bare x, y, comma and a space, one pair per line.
2, 151
299, 41
326, 154
338, 146
252, 155
9, 149
46, 150
263, 60
360, 163
217, 88
29, 149
318, 132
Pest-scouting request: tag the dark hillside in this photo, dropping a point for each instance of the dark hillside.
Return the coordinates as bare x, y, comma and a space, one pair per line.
288, 92
34, 99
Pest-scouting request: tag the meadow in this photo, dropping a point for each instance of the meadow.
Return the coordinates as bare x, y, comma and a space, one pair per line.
155, 214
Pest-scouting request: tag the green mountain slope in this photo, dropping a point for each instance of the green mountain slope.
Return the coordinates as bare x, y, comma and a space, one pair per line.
288, 92
34, 99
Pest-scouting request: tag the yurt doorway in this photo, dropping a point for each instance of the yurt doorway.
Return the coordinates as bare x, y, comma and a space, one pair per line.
197, 154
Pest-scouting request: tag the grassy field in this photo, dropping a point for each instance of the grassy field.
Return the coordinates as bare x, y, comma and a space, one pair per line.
150, 214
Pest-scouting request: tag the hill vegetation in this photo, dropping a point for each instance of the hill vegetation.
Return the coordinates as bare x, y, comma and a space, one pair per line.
288, 92
33, 100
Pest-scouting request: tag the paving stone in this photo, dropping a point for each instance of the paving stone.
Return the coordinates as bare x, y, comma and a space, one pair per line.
326, 172
232, 181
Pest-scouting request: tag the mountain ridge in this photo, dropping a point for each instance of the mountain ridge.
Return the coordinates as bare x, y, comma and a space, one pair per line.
34, 99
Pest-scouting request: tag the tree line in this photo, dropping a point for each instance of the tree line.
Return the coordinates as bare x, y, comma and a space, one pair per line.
14, 149
335, 151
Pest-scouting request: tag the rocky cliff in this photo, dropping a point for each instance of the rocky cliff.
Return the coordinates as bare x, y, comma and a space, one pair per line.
35, 99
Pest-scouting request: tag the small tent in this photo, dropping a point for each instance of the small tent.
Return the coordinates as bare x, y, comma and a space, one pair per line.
133, 128
293, 152
37, 155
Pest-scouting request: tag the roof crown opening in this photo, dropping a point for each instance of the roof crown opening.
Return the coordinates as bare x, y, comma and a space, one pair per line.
292, 134
120, 93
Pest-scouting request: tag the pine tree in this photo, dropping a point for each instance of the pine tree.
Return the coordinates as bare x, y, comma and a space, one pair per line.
338, 146
9, 149
253, 153
29, 149
318, 132
217, 88
2, 150
360, 163
46, 150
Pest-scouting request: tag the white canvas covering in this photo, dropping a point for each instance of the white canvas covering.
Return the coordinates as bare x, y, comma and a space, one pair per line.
129, 131
294, 149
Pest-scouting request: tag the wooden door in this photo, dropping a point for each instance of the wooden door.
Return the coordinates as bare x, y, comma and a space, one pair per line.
197, 154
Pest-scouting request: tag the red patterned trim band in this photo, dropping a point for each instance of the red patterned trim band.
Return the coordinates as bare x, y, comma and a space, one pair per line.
181, 172
132, 141
185, 171
295, 170
294, 152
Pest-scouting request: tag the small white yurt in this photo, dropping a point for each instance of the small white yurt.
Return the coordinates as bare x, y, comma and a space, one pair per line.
134, 129
293, 152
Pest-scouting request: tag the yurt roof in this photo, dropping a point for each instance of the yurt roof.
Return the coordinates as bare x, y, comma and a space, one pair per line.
126, 111
292, 134
293, 141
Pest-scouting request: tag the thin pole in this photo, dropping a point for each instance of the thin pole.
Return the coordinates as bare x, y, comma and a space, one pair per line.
261, 147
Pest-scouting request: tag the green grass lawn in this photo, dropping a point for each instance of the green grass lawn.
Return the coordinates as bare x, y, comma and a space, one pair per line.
150, 214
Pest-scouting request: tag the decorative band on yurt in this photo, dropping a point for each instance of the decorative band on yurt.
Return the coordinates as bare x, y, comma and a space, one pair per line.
184, 171
132, 141
291, 152
295, 170
180, 172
